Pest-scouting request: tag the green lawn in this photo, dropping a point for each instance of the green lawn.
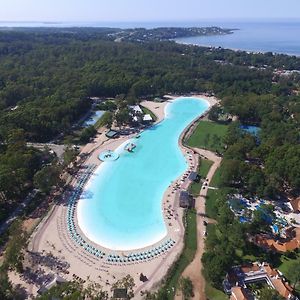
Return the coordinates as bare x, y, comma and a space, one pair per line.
211, 203
187, 256
208, 135
203, 169
286, 265
216, 180
214, 294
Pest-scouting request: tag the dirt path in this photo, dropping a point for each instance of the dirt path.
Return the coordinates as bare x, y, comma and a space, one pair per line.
193, 270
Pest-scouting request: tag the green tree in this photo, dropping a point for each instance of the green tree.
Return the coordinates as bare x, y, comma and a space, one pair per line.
268, 293
46, 178
187, 288
87, 134
13, 258
293, 273
128, 283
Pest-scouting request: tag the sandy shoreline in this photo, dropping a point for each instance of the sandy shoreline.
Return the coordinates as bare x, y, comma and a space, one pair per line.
52, 235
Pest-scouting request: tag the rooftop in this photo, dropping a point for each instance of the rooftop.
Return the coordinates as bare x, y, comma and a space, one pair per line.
112, 134
291, 243
194, 176
185, 200
147, 117
237, 279
136, 109
238, 293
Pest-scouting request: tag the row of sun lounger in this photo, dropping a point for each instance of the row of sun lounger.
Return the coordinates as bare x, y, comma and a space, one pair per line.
111, 258
142, 256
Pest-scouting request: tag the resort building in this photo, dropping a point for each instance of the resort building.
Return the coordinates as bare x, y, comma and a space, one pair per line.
238, 293
279, 244
136, 109
137, 115
147, 119
194, 177
186, 200
112, 134
239, 277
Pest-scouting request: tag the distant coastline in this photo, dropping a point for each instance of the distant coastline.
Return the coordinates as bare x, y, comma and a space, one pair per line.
276, 36
279, 38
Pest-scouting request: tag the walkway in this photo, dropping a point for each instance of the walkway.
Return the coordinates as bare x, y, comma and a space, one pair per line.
193, 270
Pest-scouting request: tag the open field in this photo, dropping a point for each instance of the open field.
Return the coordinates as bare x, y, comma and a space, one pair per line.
214, 294
213, 195
208, 135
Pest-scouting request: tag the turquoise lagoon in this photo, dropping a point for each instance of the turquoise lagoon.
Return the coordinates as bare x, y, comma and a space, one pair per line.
121, 206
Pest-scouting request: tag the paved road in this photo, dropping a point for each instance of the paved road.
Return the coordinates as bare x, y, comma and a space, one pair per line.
193, 270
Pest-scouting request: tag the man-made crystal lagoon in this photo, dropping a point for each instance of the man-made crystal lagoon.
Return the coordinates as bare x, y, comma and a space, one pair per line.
121, 206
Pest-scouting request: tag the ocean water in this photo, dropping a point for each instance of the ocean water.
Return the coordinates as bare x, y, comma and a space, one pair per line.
121, 207
278, 37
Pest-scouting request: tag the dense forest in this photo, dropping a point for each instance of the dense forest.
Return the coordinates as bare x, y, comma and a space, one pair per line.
48, 75
45, 78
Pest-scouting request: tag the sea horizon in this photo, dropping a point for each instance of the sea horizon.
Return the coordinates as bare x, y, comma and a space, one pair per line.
251, 35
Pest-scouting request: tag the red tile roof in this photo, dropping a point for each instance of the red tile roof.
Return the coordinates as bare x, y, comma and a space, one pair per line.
268, 242
238, 293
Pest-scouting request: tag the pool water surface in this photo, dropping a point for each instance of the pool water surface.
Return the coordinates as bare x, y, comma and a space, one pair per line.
121, 206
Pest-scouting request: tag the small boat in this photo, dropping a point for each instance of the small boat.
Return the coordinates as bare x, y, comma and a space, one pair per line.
138, 136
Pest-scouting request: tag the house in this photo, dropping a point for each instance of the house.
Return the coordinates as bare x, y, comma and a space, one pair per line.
290, 243
112, 134
185, 200
238, 293
239, 277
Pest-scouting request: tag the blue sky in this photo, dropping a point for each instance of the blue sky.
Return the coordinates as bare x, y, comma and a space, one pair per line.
145, 10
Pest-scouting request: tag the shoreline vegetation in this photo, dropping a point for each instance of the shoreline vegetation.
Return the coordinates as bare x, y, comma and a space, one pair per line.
258, 89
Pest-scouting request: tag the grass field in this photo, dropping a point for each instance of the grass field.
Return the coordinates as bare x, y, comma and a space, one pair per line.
208, 135
213, 195
216, 180
214, 294
211, 211
187, 256
211, 203
286, 264
203, 169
